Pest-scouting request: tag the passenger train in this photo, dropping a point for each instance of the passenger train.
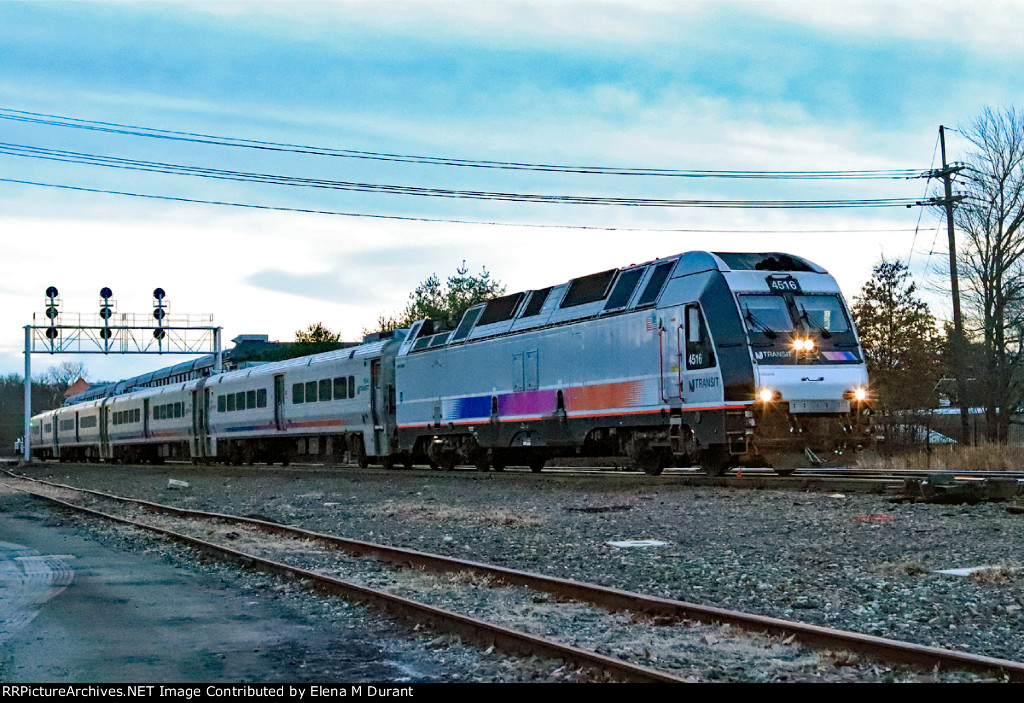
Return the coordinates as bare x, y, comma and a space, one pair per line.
716, 359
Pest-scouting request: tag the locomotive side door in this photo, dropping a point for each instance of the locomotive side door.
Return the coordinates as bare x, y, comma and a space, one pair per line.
670, 327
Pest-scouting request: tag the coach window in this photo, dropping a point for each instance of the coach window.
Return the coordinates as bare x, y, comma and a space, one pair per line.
222, 404
179, 409
250, 399
298, 393
310, 391
699, 352
138, 414
261, 398
231, 402
325, 389
340, 388
351, 386
240, 400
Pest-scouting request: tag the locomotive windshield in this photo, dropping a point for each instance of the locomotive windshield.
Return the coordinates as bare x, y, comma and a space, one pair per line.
766, 314
771, 314
823, 312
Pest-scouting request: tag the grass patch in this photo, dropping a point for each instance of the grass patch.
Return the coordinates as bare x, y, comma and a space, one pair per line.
983, 457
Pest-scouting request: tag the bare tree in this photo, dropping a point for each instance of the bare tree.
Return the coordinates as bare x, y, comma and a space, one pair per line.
65, 373
991, 256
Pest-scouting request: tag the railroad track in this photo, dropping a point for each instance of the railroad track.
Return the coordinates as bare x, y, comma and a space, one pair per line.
232, 537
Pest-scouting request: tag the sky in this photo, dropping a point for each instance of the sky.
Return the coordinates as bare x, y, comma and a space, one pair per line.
713, 86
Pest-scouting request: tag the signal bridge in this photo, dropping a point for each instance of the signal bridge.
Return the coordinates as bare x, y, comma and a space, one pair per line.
111, 332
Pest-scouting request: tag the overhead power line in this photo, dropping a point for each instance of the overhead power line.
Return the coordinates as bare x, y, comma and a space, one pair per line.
272, 179
199, 138
256, 206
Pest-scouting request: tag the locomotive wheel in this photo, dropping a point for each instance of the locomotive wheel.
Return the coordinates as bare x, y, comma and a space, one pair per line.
651, 462
716, 460
480, 460
407, 460
433, 465
537, 463
498, 464
387, 462
447, 461
362, 461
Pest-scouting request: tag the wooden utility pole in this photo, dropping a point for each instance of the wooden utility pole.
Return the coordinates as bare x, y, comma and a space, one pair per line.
959, 342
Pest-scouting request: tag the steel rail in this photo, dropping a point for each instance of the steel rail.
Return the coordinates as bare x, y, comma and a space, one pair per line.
614, 599
470, 629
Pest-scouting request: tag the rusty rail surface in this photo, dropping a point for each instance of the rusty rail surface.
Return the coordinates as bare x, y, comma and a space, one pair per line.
469, 629
614, 599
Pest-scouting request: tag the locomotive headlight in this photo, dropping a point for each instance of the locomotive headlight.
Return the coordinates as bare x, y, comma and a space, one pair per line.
860, 394
803, 344
765, 395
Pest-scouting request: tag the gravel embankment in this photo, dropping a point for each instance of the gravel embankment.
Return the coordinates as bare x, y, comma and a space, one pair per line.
853, 562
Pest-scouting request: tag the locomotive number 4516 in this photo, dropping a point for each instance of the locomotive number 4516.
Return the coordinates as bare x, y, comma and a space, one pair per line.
785, 284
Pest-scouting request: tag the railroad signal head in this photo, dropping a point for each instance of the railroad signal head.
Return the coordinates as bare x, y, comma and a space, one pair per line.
159, 333
159, 313
106, 307
51, 303
51, 333
106, 333
159, 294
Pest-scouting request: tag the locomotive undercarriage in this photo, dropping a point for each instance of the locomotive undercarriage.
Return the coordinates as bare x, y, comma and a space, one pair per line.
786, 440
713, 439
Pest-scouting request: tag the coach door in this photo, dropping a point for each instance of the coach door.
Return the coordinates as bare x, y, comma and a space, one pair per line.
279, 420
104, 431
200, 422
377, 404
145, 418
77, 440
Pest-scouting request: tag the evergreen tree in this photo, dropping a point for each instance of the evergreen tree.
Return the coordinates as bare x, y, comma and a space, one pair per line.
444, 302
900, 339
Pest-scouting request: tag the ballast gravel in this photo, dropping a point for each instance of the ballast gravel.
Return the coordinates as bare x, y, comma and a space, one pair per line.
855, 562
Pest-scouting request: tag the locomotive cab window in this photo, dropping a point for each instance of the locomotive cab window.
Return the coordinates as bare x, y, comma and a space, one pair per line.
700, 353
